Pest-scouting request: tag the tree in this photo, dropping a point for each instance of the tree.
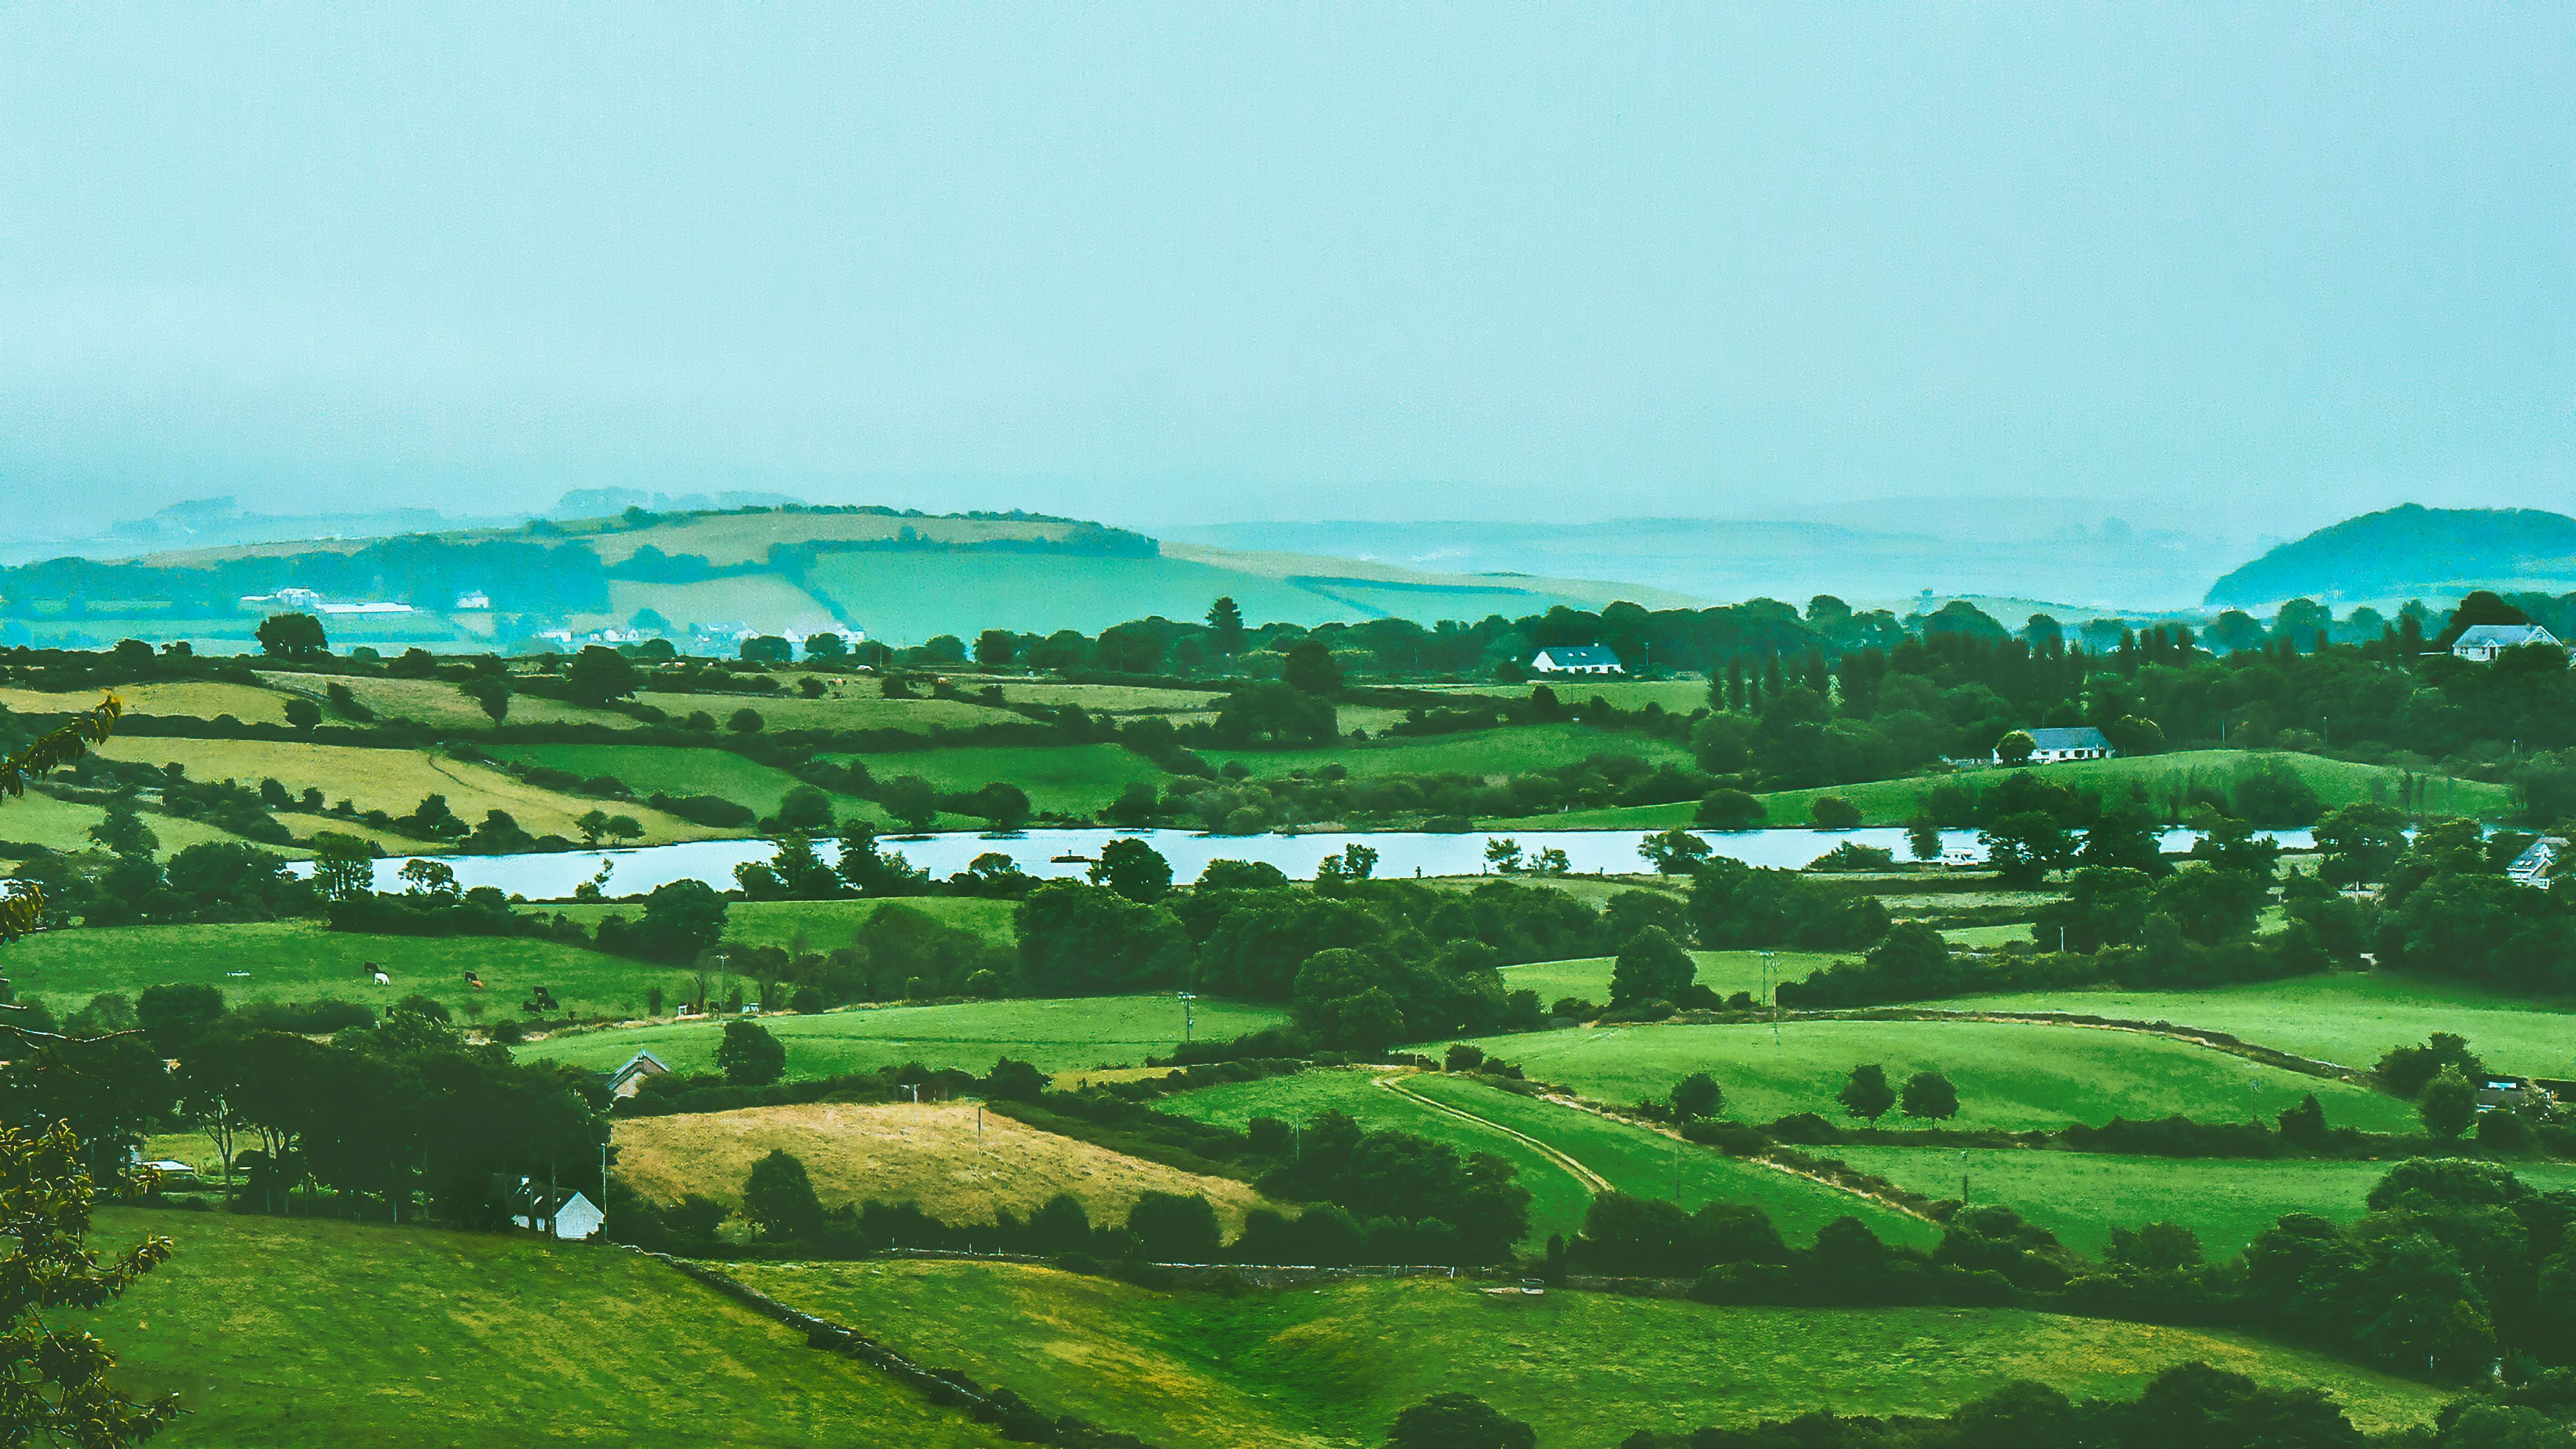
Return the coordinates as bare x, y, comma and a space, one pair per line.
593, 824
1866, 1094
996, 648
1176, 1228
909, 799
744, 721
767, 649
778, 1197
624, 827
2024, 848
1133, 869
1504, 856
749, 1056
1729, 810
2449, 1104
826, 647
2359, 843
599, 674
1651, 967
1931, 1097
292, 636
1225, 626
1458, 1421
123, 831
1833, 812
1696, 1096
57, 1377
302, 713
1310, 668
1923, 836
804, 808
2015, 747
492, 692
343, 865
681, 918
174, 1014
1674, 852
434, 879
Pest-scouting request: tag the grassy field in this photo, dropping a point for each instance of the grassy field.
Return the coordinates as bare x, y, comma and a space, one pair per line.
2081, 1196
1631, 1159
1056, 1034
38, 819
1724, 972
855, 705
2009, 1076
2351, 1017
300, 960
658, 770
913, 596
389, 780
958, 1162
1482, 752
200, 698
298, 1334
826, 924
438, 703
1331, 1366
1069, 779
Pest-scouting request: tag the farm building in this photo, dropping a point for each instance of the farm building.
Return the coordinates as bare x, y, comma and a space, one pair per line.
627, 1080
2533, 866
2048, 747
570, 1215
2483, 642
1576, 659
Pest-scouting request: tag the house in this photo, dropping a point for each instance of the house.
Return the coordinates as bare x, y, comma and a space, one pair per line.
571, 1216
284, 599
2505, 1092
2483, 642
627, 1080
2532, 867
2049, 747
474, 599
1576, 659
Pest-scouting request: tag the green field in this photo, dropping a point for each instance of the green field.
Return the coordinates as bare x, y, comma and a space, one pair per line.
2081, 1196
2009, 1075
913, 596
1057, 1034
2350, 1018
1724, 972
439, 703
40, 819
1330, 1366
1482, 752
286, 1333
1679, 696
194, 698
301, 960
1631, 1158
826, 924
855, 705
1065, 779
662, 770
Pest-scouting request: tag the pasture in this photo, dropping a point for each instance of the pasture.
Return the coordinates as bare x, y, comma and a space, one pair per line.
2350, 1018
1061, 779
36, 818
191, 698
2081, 1196
1330, 1366
960, 1163
855, 705
661, 770
2154, 778
293, 1333
394, 781
1508, 751
1724, 972
301, 961
2009, 1075
911, 596
1058, 1034
438, 703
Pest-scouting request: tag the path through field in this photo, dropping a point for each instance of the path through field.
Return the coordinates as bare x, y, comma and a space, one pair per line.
1590, 1179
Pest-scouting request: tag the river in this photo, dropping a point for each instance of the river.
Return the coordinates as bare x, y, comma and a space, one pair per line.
553, 875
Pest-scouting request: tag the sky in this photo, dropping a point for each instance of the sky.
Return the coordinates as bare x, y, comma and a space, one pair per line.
2194, 264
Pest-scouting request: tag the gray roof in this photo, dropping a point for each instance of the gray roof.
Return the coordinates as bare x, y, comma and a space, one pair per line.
1580, 654
2082, 737
2502, 636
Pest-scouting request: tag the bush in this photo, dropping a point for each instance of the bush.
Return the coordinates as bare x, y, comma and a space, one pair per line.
1729, 810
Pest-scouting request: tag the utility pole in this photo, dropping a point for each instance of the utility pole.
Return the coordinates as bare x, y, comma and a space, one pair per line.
1187, 1016
1772, 996
1963, 1177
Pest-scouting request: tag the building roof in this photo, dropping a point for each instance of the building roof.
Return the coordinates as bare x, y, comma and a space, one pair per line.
2081, 737
2502, 636
1579, 655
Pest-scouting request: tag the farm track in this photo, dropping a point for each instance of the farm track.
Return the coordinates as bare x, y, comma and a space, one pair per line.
1590, 1179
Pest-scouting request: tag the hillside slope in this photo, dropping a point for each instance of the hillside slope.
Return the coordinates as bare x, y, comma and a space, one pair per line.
2408, 552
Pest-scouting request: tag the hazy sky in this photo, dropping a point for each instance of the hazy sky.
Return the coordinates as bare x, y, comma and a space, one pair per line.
1206, 262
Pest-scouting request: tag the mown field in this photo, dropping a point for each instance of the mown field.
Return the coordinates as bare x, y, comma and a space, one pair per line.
301, 1334
2009, 1075
301, 961
1056, 1034
437, 702
1480, 752
394, 781
914, 596
2350, 1018
1724, 972
2081, 1196
854, 705
658, 770
1330, 1366
198, 698
958, 1162
1631, 1159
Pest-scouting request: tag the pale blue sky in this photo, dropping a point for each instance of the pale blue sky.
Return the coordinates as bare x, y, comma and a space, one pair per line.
1193, 263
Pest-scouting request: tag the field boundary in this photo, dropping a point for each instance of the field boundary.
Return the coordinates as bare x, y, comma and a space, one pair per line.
2215, 1040
1592, 1181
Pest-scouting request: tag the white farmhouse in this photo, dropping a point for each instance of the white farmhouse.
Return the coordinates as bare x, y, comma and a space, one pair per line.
1576, 659
2483, 642
572, 1216
2049, 747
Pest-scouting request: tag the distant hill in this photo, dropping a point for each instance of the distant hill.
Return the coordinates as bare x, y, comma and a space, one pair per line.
2410, 552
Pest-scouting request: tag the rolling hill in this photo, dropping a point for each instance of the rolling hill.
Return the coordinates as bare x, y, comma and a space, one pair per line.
2411, 552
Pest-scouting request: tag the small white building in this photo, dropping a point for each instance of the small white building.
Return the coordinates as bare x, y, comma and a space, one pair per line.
2483, 642
2052, 746
473, 599
1576, 659
572, 1216
2532, 867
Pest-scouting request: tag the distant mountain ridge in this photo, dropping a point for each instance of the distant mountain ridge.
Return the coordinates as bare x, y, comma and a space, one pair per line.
2410, 551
